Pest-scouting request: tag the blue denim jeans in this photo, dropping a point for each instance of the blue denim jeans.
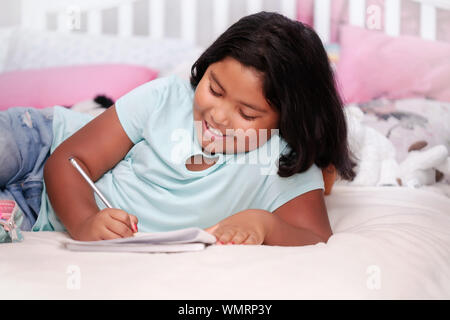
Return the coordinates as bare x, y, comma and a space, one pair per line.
25, 140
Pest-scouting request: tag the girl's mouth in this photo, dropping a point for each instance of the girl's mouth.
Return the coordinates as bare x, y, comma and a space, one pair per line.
211, 132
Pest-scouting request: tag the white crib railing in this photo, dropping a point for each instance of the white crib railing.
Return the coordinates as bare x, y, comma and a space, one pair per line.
392, 16
34, 15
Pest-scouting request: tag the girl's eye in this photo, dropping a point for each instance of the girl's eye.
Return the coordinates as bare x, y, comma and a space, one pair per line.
247, 117
214, 93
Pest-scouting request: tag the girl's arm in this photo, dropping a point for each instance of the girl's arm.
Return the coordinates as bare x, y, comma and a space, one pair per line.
98, 147
301, 221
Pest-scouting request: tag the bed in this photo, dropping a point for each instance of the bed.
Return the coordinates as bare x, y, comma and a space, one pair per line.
390, 240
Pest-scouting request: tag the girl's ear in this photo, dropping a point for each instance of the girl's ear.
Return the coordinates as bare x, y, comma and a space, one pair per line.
329, 177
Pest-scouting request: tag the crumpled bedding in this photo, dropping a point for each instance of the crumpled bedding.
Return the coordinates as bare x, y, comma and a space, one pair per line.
388, 243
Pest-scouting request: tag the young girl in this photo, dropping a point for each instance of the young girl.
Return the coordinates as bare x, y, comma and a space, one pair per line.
171, 155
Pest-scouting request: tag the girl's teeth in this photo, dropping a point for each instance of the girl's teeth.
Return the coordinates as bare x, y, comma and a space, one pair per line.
215, 131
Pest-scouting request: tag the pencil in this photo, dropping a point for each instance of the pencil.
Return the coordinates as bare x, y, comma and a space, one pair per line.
90, 182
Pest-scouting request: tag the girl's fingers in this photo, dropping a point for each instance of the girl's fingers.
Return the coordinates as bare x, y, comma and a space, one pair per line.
122, 217
217, 234
252, 239
134, 222
226, 236
232, 236
109, 235
119, 227
239, 237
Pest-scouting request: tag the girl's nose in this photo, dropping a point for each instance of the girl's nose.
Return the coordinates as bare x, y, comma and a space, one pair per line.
220, 116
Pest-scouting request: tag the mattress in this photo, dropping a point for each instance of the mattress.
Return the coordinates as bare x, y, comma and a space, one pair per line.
387, 243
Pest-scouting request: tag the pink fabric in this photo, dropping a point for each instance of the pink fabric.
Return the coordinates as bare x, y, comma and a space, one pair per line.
373, 65
410, 24
69, 85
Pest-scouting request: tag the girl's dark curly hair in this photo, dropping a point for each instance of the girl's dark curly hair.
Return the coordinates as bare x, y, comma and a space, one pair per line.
298, 82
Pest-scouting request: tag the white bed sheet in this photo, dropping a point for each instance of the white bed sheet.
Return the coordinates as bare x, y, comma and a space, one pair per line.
388, 243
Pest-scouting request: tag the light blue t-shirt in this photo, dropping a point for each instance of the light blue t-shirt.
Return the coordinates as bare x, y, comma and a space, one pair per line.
152, 181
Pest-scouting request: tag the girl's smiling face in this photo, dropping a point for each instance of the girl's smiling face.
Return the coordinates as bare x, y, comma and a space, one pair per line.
229, 100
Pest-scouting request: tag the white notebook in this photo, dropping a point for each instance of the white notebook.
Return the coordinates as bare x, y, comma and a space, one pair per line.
189, 239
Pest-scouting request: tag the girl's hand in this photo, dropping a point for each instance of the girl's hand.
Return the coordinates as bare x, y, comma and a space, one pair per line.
245, 227
108, 224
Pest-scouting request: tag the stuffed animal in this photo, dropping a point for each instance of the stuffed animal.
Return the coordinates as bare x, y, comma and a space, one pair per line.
93, 107
424, 167
374, 153
376, 157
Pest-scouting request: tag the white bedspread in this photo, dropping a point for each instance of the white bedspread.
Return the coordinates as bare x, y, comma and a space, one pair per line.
388, 243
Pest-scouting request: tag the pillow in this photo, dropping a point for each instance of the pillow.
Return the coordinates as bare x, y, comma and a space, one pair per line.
68, 85
34, 49
373, 65
183, 68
